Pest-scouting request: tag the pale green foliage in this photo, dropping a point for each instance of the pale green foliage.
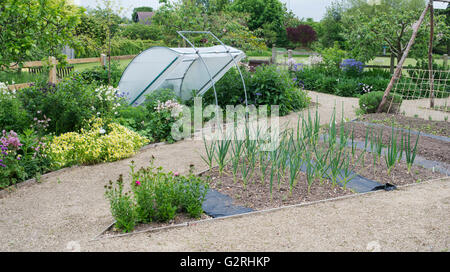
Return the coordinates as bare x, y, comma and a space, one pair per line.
390, 23
33, 29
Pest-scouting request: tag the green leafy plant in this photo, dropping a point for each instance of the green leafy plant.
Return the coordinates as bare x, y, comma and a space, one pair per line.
392, 153
121, 205
369, 102
410, 154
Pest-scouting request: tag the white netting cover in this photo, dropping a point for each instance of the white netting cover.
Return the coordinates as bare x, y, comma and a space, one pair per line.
179, 69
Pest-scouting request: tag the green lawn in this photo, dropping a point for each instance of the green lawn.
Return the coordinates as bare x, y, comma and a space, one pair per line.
84, 66
409, 61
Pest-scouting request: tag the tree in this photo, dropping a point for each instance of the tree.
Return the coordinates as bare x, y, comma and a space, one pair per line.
264, 14
134, 15
331, 27
31, 29
303, 34
370, 27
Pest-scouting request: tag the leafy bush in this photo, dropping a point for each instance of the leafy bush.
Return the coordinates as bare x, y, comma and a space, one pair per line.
155, 196
317, 78
69, 103
122, 206
369, 102
22, 157
13, 116
98, 143
347, 87
141, 31
99, 74
266, 86
352, 67
332, 58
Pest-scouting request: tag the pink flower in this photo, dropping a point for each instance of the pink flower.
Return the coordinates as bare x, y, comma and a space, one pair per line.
176, 174
138, 182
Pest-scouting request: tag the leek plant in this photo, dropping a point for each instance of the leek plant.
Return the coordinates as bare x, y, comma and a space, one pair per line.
237, 149
391, 156
220, 154
310, 171
347, 173
322, 165
209, 151
410, 154
294, 170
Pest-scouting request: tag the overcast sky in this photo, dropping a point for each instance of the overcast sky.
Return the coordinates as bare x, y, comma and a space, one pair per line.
302, 8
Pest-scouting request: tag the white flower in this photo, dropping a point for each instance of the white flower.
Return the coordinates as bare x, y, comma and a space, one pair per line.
102, 131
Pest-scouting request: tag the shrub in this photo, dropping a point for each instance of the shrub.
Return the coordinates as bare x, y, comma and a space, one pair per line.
318, 79
352, 67
21, 157
98, 143
141, 31
266, 86
332, 58
161, 120
229, 89
122, 206
69, 103
99, 74
13, 116
347, 87
155, 196
369, 102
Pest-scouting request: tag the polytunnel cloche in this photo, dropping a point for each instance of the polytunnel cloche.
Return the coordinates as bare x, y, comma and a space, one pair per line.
180, 69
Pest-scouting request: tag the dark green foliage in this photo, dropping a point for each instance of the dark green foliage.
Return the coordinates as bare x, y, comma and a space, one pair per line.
99, 74
321, 80
156, 196
141, 31
369, 102
266, 86
66, 104
13, 115
122, 206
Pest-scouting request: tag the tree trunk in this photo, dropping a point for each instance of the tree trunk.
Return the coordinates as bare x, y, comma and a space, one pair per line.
430, 55
392, 63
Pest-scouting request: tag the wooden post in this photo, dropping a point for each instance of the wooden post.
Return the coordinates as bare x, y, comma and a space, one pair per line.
445, 60
430, 55
52, 77
398, 70
103, 60
274, 54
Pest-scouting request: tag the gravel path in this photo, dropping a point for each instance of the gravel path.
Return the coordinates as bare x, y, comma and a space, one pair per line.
69, 208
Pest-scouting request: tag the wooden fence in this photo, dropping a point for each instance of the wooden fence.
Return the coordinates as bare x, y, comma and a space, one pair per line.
103, 57
54, 70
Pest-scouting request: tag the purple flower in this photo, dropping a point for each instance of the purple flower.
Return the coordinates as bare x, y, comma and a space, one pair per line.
258, 94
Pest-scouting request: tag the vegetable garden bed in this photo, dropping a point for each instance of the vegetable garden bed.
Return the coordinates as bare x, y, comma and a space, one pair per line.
306, 166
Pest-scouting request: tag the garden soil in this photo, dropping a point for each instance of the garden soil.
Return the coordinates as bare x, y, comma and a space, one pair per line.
66, 210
